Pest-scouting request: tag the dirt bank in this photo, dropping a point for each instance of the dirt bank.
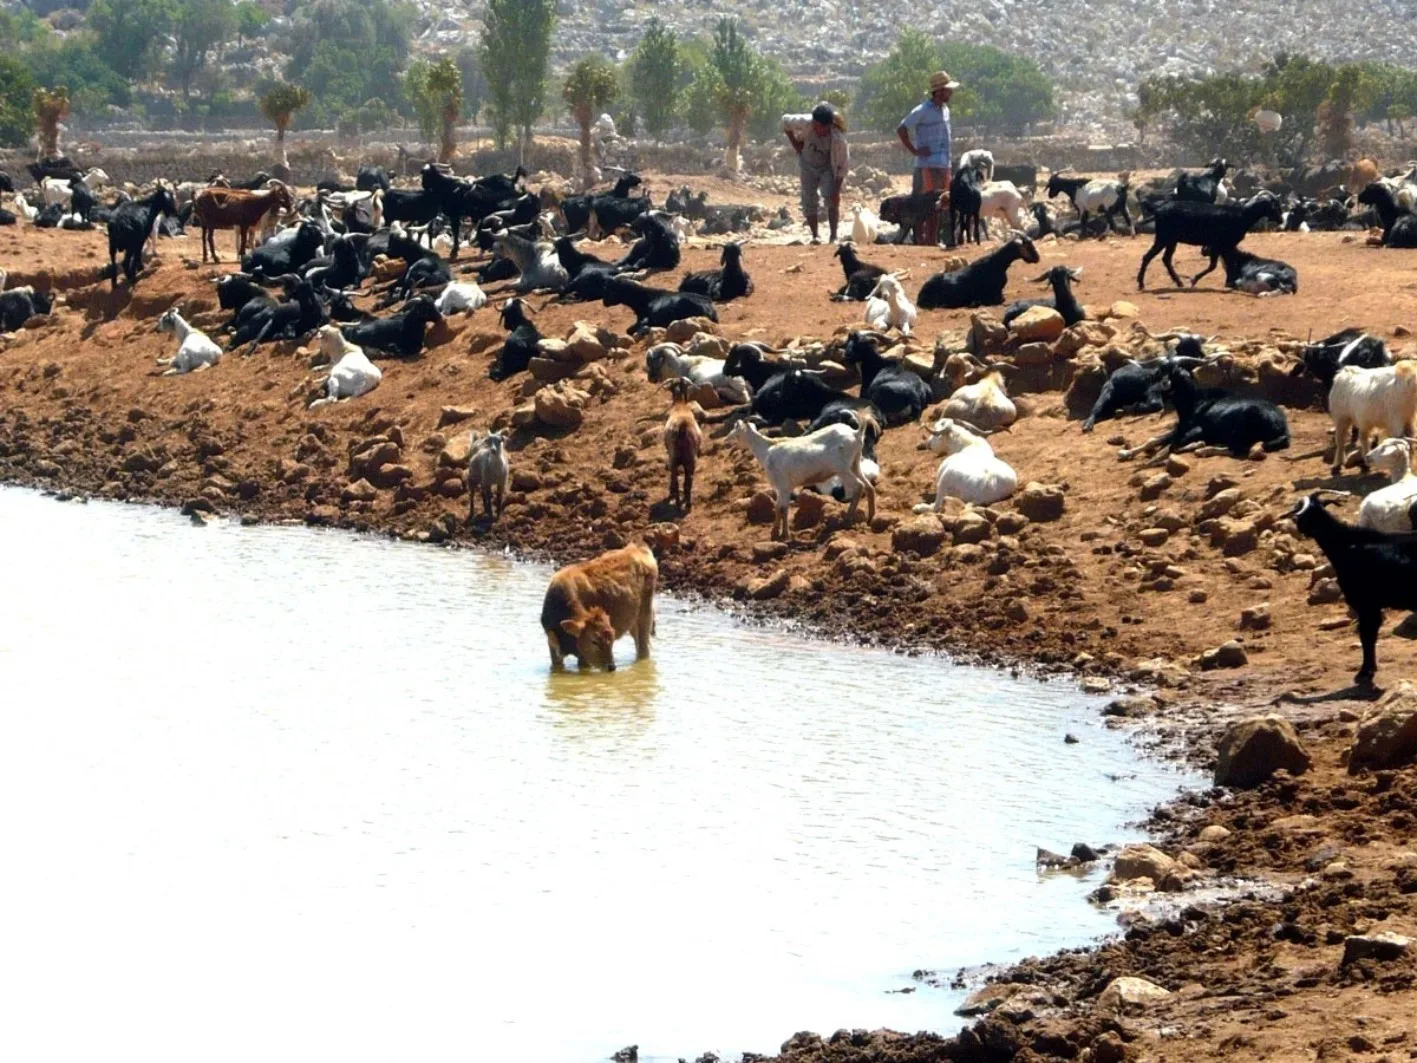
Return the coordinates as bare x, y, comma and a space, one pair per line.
1129, 591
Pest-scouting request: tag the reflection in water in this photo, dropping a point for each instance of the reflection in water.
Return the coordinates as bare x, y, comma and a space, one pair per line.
283, 794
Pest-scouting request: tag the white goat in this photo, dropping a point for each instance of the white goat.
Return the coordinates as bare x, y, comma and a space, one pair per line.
791, 463
984, 404
351, 372
982, 161
537, 261
1371, 400
487, 470
969, 471
460, 297
665, 361
888, 306
1389, 508
24, 210
865, 226
56, 190
195, 349
1003, 200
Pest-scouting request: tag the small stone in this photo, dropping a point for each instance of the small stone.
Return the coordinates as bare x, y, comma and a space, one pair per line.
1176, 466
1128, 995
1040, 503
455, 415
1325, 592
1015, 609
1153, 486
769, 551
1214, 833
1122, 308
763, 589
1252, 750
923, 535
1220, 503
1197, 597
971, 528
761, 508
359, 491
1142, 861
1255, 618
1154, 536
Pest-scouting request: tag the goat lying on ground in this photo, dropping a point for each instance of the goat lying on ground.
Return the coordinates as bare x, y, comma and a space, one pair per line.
861, 277
984, 403
969, 471
655, 307
401, 334
1060, 278
889, 307
723, 284
896, 391
1389, 508
1258, 276
981, 283
351, 372
195, 349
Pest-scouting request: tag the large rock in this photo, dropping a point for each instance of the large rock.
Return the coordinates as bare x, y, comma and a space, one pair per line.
1386, 946
1387, 737
987, 335
560, 406
1040, 502
923, 535
1253, 750
1128, 995
584, 343
1143, 861
1038, 324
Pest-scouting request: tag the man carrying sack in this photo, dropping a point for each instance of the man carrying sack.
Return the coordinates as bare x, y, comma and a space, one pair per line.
925, 133
822, 163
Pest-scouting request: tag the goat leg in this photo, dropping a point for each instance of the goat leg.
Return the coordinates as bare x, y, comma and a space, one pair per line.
260, 337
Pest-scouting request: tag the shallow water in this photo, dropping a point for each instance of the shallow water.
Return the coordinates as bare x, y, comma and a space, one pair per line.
282, 794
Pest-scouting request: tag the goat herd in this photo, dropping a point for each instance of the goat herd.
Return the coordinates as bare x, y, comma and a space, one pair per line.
317, 251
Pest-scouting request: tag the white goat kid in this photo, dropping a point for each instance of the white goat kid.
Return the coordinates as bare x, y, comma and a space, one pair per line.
791, 463
981, 160
351, 372
865, 226
1389, 508
487, 471
969, 471
888, 306
460, 297
195, 349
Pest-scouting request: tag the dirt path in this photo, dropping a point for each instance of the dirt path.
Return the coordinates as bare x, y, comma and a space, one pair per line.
1127, 591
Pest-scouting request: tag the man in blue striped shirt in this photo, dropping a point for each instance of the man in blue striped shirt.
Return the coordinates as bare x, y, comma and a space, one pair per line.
925, 133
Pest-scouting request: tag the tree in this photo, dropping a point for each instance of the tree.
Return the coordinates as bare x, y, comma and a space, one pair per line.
16, 103
435, 90
655, 80
474, 85
251, 20
515, 53
1348, 93
51, 106
349, 51
75, 62
892, 87
737, 75
127, 32
200, 27
590, 88
774, 96
279, 104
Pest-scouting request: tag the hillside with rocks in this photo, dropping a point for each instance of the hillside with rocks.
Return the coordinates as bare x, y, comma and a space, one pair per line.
1096, 55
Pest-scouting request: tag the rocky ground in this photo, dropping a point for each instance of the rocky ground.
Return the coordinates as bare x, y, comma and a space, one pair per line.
1181, 588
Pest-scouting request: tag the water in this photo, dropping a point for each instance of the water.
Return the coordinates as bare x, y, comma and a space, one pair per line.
280, 794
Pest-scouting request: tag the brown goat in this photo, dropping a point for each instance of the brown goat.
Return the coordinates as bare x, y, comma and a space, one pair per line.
682, 440
235, 208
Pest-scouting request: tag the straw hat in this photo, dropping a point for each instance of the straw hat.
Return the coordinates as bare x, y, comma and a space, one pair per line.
942, 80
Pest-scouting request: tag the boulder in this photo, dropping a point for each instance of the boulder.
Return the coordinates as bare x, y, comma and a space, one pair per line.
1038, 324
971, 528
456, 451
1387, 737
1253, 750
1143, 861
584, 343
359, 491
770, 587
761, 508
1128, 995
560, 406
455, 415
1040, 502
923, 535
1386, 946
1123, 309
987, 335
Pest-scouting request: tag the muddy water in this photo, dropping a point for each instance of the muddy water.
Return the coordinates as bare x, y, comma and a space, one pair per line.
272, 793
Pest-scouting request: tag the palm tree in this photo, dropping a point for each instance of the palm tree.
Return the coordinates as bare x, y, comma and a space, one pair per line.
445, 87
279, 105
51, 106
737, 75
591, 87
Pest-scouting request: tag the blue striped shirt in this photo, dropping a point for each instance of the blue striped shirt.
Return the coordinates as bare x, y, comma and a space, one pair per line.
929, 127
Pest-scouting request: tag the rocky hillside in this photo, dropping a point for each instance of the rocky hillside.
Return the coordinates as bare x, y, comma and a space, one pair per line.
1096, 54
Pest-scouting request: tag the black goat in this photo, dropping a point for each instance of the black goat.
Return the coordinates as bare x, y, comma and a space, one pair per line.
1375, 570
910, 213
965, 204
400, 335
1213, 226
1399, 223
430, 271
1135, 387
7, 183
522, 345
899, 394
1213, 416
7, 217
458, 199
587, 272
60, 167
576, 209
1063, 300
692, 205
371, 177
342, 309
746, 360
409, 205
799, 395
861, 277
721, 285
345, 269
1046, 226
657, 247
1352, 346
289, 319
18, 305
81, 200
655, 307
235, 290
128, 231
290, 256
981, 283
1258, 276
1202, 187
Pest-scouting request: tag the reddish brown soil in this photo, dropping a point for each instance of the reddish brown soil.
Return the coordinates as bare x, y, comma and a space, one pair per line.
84, 409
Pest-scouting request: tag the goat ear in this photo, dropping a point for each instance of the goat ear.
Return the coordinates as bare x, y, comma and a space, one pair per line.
573, 626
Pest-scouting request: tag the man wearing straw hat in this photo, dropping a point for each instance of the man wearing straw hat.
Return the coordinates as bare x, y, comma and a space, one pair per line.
925, 133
